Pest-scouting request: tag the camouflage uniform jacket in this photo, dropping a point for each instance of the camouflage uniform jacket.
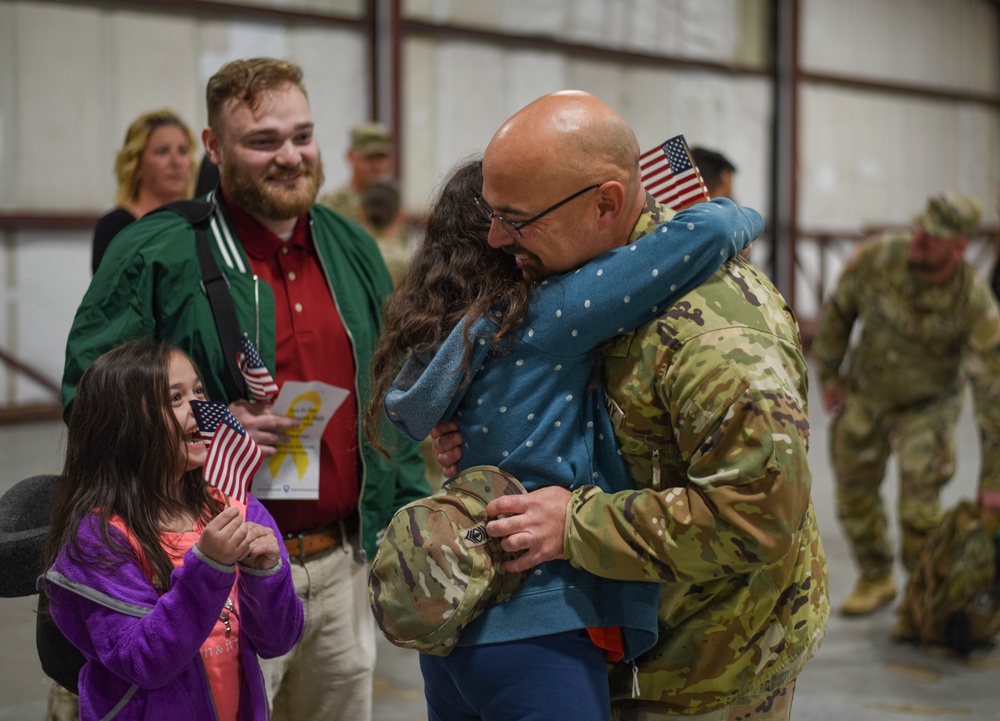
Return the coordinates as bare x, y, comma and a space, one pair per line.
919, 342
709, 404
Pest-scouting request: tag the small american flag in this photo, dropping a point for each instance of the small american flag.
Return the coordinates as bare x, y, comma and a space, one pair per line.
259, 381
233, 456
670, 175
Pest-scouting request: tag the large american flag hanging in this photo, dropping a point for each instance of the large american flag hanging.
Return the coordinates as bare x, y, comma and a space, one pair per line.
233, 456
670, 175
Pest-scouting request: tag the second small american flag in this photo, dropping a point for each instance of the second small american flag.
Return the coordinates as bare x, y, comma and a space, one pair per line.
670, 175
259, 381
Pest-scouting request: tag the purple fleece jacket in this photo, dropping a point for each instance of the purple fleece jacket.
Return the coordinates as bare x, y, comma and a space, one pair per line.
143, 649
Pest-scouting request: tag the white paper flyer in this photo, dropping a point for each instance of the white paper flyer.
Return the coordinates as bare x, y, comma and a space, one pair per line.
293, 472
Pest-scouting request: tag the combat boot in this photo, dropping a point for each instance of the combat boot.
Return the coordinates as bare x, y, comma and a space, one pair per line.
869, 595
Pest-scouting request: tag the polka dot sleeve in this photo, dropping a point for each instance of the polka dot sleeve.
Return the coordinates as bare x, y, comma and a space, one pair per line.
628, 286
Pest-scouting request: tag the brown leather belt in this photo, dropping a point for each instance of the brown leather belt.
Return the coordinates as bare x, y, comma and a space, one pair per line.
305, 545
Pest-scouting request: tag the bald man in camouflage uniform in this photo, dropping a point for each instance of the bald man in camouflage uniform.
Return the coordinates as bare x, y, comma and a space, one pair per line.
709, 406
709, 403
929, 323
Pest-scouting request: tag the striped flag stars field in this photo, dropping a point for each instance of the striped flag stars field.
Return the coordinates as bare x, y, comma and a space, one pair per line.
233, 456
671, 176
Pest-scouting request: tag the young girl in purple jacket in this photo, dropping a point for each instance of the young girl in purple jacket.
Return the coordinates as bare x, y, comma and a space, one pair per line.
170, 588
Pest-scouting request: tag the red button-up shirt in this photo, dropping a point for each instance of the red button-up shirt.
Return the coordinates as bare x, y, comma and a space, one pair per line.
312, 345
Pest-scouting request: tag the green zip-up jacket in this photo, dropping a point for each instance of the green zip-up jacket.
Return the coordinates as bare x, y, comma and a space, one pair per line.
709, 407
149, 285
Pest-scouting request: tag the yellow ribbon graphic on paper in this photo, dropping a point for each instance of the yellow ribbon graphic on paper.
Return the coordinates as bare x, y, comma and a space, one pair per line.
294, 445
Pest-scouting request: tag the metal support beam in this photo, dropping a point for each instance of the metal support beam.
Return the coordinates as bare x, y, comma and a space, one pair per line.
784, 196
385, 18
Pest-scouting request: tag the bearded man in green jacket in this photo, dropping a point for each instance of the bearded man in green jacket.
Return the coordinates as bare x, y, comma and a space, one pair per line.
307, 287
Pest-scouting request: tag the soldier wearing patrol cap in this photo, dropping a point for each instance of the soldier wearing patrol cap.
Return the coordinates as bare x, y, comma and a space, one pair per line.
371, 158
929, 322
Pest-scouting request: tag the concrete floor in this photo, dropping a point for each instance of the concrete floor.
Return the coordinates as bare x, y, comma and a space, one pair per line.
859, 673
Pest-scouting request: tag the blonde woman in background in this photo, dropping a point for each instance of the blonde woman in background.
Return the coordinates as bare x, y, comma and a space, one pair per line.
155, 165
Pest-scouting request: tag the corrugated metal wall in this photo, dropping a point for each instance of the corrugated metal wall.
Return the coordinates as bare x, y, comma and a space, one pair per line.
896, 99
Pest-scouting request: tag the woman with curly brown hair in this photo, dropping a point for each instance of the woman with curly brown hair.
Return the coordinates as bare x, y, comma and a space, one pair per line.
452, 274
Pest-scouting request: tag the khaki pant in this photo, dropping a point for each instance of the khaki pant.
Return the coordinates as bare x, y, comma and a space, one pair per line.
328, 675
774, 706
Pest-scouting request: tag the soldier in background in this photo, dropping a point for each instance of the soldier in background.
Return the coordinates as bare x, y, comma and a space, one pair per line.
382, 216
709, 407
929, 322
370, 156
716, 170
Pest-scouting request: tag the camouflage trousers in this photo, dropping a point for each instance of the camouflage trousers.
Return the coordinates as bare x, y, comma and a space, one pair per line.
862, 439
773, 706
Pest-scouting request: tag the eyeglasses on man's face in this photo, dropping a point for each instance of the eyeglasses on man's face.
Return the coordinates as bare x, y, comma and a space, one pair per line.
514, 228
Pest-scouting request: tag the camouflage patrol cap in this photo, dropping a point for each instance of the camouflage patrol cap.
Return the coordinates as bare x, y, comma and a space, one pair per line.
436, 568
371, 139
949, 214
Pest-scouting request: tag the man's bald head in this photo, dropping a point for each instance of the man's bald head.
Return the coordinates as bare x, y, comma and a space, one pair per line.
563, 138
566, 168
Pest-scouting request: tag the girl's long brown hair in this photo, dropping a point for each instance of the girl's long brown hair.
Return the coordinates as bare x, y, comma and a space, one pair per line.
122, 460
453, 273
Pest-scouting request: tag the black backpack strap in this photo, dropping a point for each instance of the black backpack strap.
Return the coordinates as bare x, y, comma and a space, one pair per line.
196, 212
214, 282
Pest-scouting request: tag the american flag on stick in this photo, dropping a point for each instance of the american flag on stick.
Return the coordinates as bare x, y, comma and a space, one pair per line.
259, 381
670, 175
233, 456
